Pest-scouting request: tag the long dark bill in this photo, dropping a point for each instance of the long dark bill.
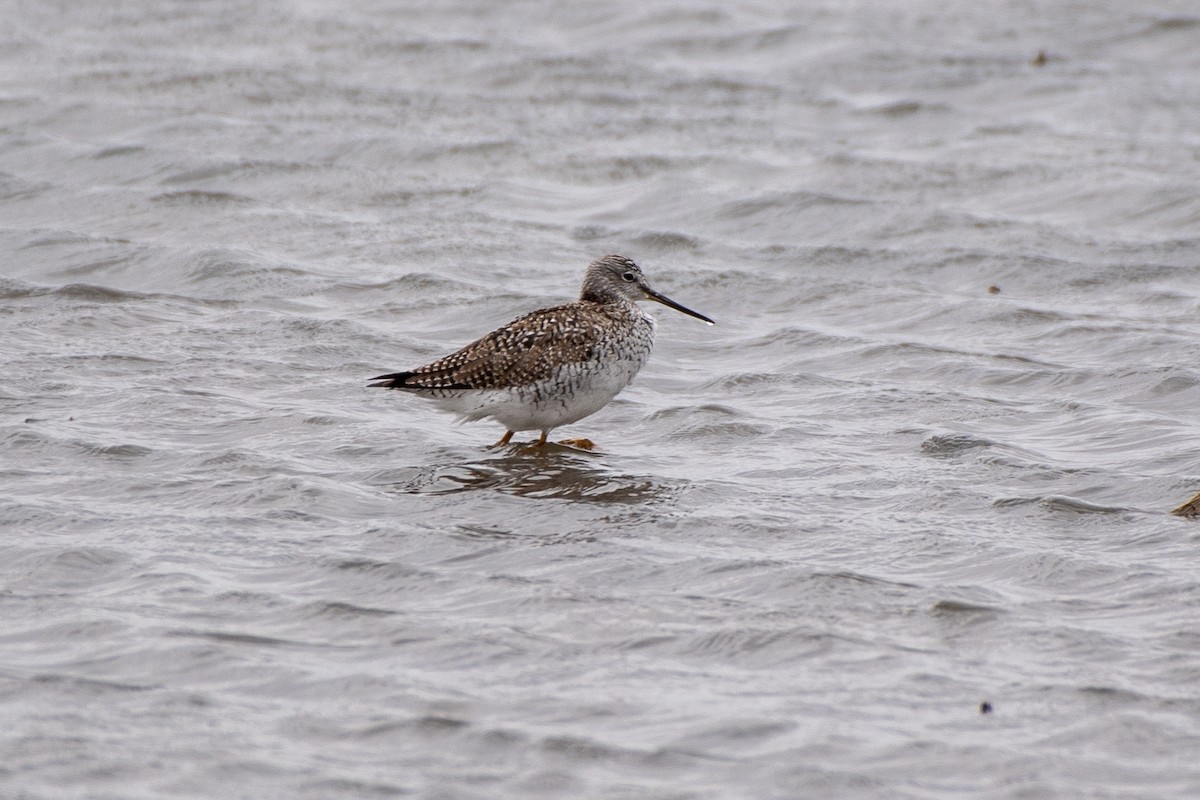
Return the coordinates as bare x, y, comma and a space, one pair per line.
666, 301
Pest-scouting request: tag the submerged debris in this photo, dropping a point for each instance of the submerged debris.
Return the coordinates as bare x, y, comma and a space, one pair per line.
1189, 509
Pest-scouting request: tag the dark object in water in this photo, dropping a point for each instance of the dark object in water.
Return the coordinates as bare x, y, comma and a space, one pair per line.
1189, 509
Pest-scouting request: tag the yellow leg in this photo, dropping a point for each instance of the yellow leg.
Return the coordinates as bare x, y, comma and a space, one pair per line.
542, 439
505, 439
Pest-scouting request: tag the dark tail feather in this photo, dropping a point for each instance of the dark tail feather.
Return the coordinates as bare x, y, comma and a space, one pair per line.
393, 381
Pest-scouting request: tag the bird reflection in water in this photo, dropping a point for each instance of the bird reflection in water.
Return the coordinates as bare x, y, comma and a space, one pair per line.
556, 472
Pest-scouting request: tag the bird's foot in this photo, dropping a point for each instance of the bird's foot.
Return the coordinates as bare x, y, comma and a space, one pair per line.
579, 444
531, 447
505, 439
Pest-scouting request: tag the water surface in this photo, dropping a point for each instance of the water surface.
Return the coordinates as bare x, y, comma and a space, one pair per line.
922, 463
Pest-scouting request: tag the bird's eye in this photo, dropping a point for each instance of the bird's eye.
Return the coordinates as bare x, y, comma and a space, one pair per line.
630, 277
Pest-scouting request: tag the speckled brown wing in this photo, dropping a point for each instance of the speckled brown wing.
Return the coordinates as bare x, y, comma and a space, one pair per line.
527, 350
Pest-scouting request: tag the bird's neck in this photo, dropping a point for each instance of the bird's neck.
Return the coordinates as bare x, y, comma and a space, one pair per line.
599, 293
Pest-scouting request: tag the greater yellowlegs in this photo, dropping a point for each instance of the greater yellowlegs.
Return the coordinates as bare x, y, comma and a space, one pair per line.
553, 366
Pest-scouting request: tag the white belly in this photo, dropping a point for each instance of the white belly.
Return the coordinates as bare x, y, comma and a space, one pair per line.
574, 392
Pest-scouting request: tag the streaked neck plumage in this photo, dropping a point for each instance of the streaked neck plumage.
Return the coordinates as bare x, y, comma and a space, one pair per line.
604, 282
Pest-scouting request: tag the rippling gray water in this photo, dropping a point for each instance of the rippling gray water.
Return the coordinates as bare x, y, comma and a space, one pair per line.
923, 463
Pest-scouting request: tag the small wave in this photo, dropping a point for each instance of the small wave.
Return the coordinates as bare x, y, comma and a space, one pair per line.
119, 150
78, 568
122, 451
1062, 503
200, 197
903, 108
666, 241
238, 274
776, 203
90, 686
1169, 25
709, 420
84, 292
234, 637
962, 607
97, 294
953, 444
340, 610
387, 570
759, 646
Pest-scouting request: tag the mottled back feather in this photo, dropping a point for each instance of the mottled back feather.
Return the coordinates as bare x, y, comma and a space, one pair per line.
529, 349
